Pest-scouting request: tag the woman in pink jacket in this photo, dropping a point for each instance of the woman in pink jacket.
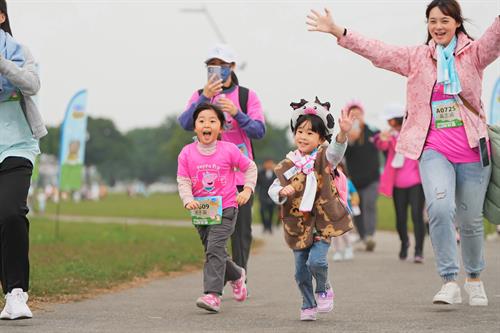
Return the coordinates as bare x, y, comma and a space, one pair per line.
446, 136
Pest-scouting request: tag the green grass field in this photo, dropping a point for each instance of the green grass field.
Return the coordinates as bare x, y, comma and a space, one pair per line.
169, 207
156, 206
89, 256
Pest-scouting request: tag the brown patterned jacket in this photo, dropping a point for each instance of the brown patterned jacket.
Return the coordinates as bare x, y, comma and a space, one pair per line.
328, 217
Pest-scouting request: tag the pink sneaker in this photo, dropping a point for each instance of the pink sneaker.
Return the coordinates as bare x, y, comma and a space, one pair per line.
325, 301
240, 287
308, 314
210, 302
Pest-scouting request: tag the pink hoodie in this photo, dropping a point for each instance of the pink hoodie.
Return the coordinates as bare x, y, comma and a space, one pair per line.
404, 177
417, 64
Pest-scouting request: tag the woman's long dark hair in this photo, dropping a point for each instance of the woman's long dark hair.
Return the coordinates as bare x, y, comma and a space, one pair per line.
6, 25
449, 8
234, 78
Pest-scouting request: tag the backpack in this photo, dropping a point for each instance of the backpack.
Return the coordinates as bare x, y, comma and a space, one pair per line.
492, 200
243, 100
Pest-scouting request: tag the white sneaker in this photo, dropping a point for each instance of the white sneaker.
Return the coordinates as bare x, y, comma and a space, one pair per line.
348, 253
449, 294
338, 256
15, 305
477, 295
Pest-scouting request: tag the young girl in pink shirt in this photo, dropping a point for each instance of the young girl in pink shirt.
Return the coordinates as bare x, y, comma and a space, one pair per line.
206, 181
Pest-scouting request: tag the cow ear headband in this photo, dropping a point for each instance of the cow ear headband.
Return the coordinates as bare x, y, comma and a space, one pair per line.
316, 108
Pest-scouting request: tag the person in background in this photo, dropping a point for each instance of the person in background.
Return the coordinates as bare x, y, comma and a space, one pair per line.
401, 182
342, 245
265, 178
362, 161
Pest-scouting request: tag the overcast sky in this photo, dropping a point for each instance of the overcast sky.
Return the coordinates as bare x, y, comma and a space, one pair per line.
142, 60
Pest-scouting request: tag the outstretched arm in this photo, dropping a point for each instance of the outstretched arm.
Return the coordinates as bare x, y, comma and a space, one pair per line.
488, 46
390, 57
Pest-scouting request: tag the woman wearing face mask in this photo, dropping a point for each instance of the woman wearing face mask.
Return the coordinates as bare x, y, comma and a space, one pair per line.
20, 128
243, 123
445, 130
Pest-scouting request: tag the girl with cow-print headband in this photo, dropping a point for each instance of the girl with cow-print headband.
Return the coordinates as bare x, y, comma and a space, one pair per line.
307, 192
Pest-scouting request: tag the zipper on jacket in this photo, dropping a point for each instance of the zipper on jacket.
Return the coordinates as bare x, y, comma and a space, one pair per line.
458, 51
430, 105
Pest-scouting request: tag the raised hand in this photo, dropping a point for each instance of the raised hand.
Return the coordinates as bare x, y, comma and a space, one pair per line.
227, 105
345, 121
323, 23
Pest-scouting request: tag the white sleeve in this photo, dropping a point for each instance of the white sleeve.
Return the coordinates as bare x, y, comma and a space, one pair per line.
335, 152
274, 192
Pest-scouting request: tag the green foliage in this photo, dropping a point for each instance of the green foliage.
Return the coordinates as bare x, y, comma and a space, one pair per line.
49, 144
150, 154
274, 145
108, 150
155, 150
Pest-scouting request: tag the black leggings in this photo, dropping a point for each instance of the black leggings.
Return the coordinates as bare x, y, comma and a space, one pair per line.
15, 175
413, 197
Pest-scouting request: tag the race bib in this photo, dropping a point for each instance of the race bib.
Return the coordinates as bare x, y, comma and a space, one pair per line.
210, 211
446, 114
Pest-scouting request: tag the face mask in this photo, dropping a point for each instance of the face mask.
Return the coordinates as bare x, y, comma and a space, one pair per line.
355, 124
225, 72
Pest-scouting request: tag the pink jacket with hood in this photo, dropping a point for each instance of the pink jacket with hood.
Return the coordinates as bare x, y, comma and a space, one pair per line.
417, 63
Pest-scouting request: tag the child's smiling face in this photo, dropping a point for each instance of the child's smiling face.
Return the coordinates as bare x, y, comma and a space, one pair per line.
305, 139
207, 126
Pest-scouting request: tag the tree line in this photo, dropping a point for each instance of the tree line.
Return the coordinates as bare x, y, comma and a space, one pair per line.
150, 154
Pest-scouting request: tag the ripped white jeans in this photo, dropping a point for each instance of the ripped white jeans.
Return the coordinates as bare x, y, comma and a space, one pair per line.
455, 193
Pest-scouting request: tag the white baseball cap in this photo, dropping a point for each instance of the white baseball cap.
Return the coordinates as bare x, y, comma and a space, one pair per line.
223, 52
394, 110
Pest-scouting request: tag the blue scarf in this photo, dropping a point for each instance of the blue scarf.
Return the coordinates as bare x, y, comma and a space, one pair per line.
11, 50
446, 69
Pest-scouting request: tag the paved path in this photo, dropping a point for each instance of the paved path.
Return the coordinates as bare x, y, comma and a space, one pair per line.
375, 293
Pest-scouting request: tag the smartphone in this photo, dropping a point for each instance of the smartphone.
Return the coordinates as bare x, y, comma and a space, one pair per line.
483, 152
214, 71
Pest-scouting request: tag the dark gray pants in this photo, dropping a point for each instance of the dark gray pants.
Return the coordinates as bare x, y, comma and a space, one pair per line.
218, 268
241, 240
368, 218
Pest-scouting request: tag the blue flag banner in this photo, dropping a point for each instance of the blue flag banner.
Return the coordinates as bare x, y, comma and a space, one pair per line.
73, 137
494, 117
